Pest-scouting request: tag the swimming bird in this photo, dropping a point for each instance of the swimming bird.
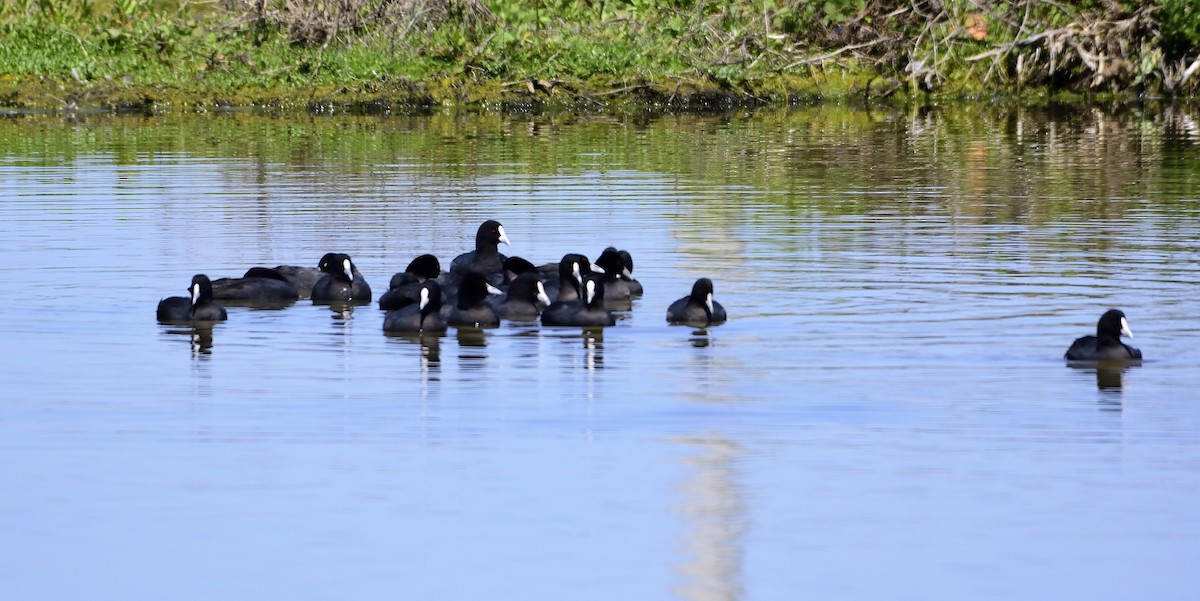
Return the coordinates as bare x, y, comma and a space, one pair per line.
304, 278
199, 307
592, 312
525, 300
486, 258
635, 287
424, 267
421, 316
567, 290
698, 308
616, 275
470, 308
341, 282
405, 287
258, 284
571, 268
515, 266
1106, 344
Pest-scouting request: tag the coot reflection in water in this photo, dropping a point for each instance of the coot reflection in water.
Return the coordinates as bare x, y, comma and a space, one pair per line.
593, 347
472, 347
341, 311
1110, 375
700, 338
200, 336
430, 343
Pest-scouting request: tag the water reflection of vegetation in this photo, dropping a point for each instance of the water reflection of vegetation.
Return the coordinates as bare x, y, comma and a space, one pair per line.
1002, 165
713, 507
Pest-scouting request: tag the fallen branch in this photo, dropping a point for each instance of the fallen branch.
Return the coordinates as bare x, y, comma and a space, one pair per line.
825, 57
1033, 39
640, 86
1190, 70
1173, 82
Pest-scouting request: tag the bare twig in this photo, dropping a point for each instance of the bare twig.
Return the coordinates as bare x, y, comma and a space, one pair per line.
639, 86
824, 57
321, 60
1033, 39
1174, 79
479, 49
1190, 70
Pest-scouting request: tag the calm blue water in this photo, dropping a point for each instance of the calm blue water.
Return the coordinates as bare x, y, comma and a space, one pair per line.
885, 415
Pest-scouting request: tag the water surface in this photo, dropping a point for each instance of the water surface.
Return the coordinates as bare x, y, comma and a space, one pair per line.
885, 415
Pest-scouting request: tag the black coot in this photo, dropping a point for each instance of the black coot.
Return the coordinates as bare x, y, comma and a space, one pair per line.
635, 287
258, 284
198, 307
341, 282
591, 312
515, 266
698, 308
405, 287
573, 267
470, 308
1106, 344
421, 316
566, 290
424, 267
486, 258
526, 298
616, 275
303, 278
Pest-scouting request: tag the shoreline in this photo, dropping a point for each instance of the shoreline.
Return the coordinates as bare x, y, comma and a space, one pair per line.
609, 96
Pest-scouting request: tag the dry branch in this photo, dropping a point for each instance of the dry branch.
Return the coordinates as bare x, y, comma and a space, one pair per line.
824, 57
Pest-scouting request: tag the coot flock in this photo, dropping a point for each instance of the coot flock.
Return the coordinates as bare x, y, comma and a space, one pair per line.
484, 287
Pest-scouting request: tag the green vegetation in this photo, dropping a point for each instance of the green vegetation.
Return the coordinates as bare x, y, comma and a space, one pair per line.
585, 54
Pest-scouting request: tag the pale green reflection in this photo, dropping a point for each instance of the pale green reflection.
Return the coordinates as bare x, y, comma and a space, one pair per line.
714, 510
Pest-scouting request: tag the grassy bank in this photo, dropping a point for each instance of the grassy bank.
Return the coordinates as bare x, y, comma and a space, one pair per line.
686, 54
